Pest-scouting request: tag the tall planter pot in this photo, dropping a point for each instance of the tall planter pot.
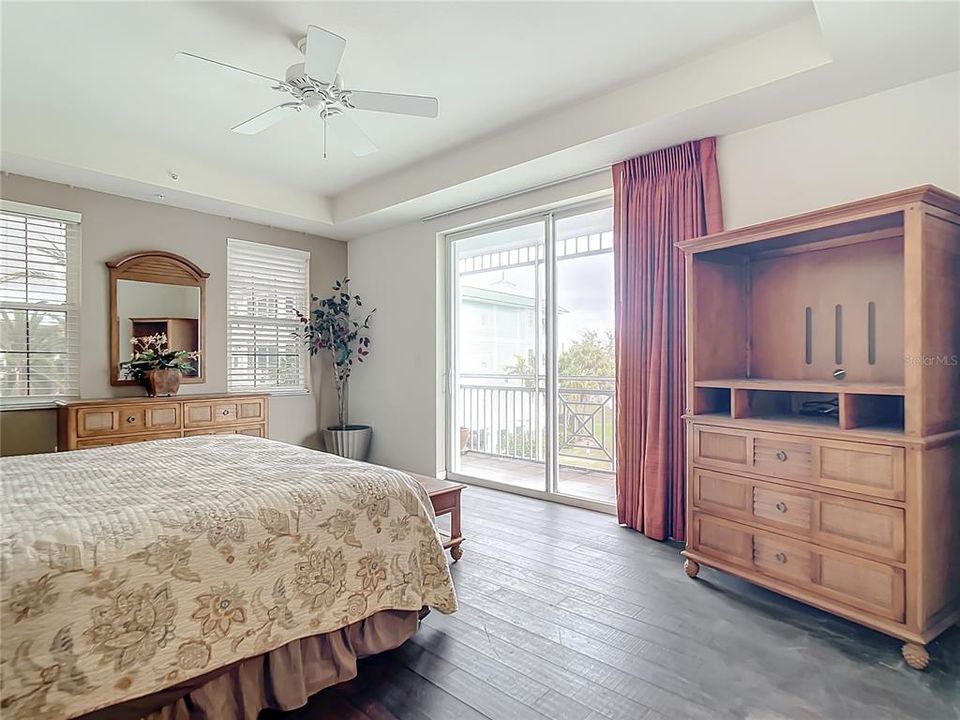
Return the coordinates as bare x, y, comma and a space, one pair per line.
162, 382
352, 441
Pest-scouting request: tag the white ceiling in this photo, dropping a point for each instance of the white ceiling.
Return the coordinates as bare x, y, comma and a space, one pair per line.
529, 92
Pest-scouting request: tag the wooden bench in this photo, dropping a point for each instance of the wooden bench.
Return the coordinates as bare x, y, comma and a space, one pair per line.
445, 496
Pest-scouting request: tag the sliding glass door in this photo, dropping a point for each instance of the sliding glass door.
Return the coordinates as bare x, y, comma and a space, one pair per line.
586, 398
531, 396
499, 355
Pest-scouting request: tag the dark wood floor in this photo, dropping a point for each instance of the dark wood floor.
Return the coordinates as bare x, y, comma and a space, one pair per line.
564, 615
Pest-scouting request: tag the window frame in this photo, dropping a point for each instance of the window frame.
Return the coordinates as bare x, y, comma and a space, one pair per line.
71, 307
268, 250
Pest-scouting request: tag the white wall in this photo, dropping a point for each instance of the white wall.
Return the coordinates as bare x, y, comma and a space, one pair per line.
893, 140
884, 142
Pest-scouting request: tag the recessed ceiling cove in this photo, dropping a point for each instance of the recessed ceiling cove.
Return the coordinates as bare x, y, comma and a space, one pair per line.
93, 93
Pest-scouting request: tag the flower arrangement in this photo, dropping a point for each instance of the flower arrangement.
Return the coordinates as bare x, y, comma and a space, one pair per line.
150, 352
331, 327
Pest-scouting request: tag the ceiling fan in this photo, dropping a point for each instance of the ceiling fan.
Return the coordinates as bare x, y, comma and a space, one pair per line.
315, 86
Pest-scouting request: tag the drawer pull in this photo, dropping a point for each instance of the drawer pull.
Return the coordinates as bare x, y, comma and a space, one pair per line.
226, 412
131, 418
781, 456
781, 558
781, 507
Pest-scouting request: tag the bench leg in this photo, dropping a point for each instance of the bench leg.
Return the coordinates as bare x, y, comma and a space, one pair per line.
455, 552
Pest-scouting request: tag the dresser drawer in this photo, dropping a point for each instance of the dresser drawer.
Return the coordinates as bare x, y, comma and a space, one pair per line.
211, 413
127, 419
252, 430
110, 441
859, 526
864, 584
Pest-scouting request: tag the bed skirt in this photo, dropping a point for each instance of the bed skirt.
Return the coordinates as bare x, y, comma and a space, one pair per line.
282, 679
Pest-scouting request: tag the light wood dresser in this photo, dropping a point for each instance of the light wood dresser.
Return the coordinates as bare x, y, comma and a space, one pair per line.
823, 410
119, 421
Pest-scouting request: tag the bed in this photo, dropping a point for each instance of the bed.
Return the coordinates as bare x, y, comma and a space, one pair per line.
229, 570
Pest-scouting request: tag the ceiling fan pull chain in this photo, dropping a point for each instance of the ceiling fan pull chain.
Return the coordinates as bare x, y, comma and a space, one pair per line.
324, 133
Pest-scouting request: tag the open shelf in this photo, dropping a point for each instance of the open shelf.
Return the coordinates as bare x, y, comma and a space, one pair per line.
810, 403
807, 386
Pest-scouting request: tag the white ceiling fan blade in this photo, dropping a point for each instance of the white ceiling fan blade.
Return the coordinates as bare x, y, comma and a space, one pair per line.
322, 54
419, 105
347, 130
266, 119
249, 73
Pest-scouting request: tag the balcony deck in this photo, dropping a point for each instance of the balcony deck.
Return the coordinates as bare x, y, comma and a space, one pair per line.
594, 485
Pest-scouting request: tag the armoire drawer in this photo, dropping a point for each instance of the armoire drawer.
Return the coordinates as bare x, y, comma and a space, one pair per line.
783, 457
126, 419
865, 584
862, 468
859, 526
211, 413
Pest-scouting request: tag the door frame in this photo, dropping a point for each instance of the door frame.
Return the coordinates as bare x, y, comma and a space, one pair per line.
452, 372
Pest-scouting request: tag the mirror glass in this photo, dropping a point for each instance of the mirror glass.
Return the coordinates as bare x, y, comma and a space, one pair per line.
149, 308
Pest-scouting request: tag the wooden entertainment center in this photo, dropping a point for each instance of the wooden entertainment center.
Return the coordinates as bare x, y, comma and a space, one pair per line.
823, 410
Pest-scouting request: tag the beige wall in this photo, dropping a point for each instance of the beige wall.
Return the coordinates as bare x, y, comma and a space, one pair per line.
114, 226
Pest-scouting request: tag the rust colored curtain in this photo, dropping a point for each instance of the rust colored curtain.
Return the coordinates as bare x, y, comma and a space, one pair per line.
659, 199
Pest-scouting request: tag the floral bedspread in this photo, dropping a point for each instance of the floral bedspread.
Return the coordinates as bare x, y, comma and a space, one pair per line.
129, 569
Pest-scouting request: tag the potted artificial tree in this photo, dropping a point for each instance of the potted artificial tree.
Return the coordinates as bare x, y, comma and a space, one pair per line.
336, 325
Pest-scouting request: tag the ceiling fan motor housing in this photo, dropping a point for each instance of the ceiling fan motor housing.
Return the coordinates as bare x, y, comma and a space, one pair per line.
310, 92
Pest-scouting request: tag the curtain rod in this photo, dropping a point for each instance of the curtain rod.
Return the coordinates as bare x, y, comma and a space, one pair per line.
516, 193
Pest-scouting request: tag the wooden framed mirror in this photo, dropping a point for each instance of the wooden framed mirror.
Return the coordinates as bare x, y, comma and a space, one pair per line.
153, 292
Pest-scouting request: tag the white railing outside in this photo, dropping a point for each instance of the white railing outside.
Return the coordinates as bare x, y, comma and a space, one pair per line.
505, 416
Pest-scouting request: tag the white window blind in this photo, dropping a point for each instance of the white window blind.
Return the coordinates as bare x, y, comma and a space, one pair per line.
39, 304
265, 284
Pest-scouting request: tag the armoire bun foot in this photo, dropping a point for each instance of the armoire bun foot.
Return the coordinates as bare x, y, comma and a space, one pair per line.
691, 567
916, 656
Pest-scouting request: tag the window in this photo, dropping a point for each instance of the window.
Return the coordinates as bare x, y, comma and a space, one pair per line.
265, 284
39, 304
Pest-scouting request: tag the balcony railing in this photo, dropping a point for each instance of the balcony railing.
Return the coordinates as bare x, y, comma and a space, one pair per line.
505, 416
